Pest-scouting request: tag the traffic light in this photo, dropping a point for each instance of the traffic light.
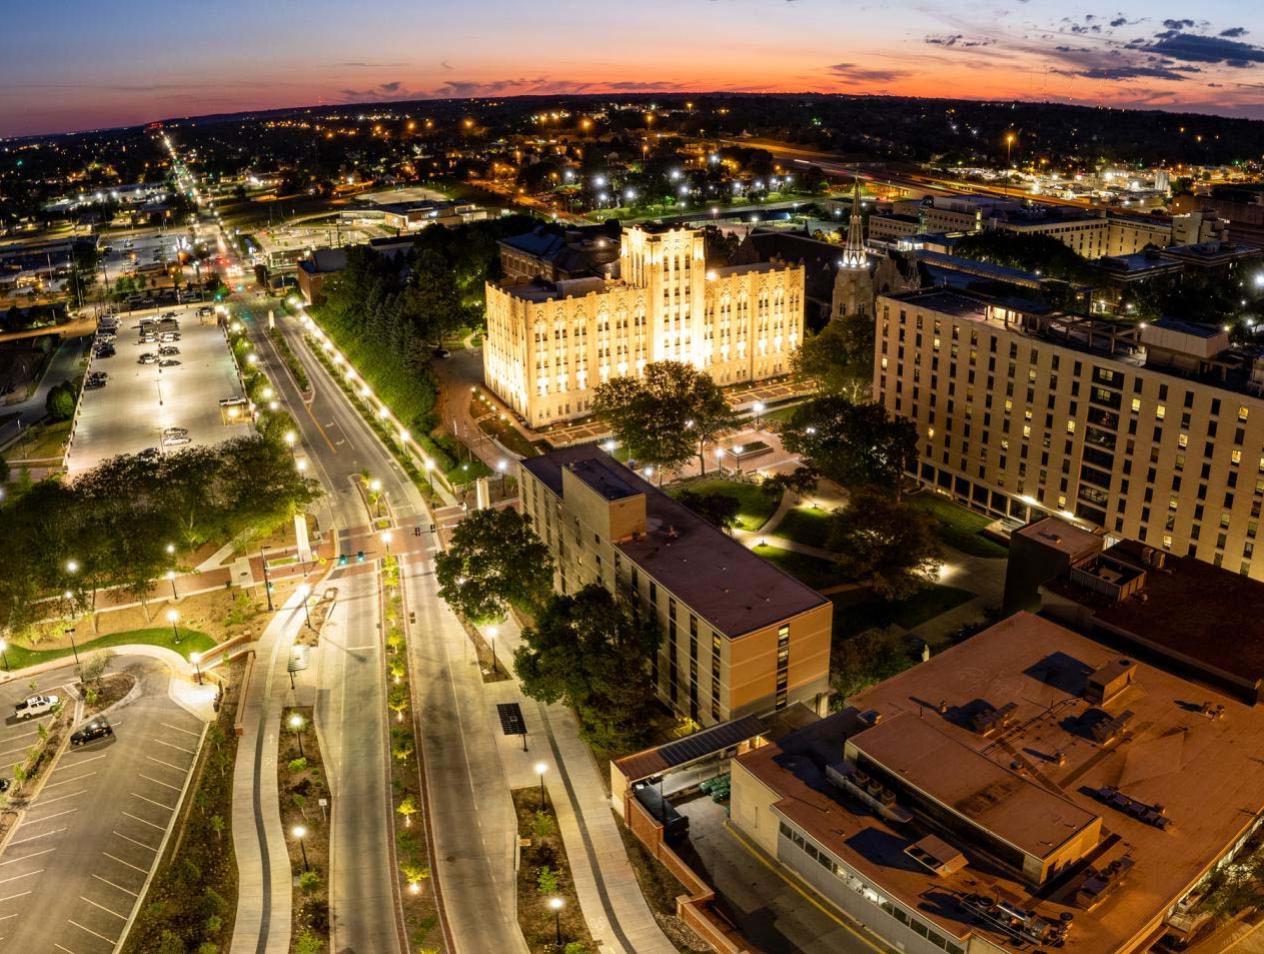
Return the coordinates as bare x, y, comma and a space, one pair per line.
359, 556
342, 559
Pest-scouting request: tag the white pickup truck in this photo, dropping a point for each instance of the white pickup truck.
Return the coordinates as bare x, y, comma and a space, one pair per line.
34, 706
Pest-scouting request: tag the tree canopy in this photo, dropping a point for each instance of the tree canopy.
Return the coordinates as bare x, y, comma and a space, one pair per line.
853, 444
839, 358
669, 414
589, 652
718, 509
886, 542
495, 561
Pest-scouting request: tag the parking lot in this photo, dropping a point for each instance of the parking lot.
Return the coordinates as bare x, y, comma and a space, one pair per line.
140, 401
75, 868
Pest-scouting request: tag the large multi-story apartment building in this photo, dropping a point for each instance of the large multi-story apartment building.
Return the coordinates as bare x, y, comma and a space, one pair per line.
1154, 432
550, 344
739, 636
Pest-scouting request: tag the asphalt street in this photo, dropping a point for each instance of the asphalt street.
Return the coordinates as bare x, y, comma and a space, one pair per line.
75, 868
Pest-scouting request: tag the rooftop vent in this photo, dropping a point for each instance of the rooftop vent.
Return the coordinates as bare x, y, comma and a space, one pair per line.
1109, 680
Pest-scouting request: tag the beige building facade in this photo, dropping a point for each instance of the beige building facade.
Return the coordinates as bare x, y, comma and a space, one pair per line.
738, 636
1152, 432
549, 345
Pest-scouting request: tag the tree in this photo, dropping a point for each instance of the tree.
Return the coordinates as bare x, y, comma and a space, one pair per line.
495, 560
883, 540
718, 509
866, 659
801, 480
60, 402
586, 650
408, 808
853, 444
546, 880
839, 358
670, 413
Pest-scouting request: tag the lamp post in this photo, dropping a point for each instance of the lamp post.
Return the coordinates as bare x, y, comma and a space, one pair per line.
304, 591
296, 723
758, 408
172, 616
719, 461
386, 538
502, 466
300, 832
267, 583
540, 769
492, 633
290, 439
4, 651
737, 457
171, 575
429, 467
556, 904
196, 659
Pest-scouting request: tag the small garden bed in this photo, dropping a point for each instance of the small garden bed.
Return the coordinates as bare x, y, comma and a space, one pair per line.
303, 787
544, 879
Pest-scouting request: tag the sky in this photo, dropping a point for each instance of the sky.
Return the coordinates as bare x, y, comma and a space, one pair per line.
69, 65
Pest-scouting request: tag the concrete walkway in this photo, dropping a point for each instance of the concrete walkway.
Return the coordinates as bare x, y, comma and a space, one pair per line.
609, 894
264, 889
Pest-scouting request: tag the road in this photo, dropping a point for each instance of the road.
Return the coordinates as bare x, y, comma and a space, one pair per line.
75, 869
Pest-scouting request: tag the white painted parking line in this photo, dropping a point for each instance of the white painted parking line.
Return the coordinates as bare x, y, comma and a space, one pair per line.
21, 876
107, 940
135, 842
23, 841
15, 896
7, 916
196, 735
113, 885
60, 948
40, 821
48, 801
174, 788
121, 917
78, 762
143, 871
172, 745
34, 854
168, 764
142, 821
152, 802
77, 778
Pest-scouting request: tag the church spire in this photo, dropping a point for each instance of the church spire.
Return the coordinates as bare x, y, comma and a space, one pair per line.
854, 254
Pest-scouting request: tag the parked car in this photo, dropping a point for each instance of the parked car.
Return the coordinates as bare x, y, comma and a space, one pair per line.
32, 707
168, 351
98, 728
175, 440
168, 362
104, 350
147, 358
174, 430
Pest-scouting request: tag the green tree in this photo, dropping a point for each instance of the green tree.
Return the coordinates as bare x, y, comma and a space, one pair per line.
546, 880
853, 444
586, 650
885, 541
495, 560
866, 659
669, 414
839, 358
60, 402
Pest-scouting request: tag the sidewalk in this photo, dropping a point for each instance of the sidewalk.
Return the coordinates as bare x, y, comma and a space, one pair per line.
609, 894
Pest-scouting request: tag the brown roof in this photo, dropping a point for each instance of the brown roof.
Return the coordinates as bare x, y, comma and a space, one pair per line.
733, 589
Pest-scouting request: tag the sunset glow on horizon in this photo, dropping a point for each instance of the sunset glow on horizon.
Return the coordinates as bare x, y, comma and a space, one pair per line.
94, 68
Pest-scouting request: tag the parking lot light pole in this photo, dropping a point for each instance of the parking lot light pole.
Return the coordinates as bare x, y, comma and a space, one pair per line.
296, 723
300, 833
172, 616
70, 631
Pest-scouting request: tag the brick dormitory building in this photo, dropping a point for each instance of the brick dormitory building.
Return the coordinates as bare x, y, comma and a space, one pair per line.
738, 636
1154, 432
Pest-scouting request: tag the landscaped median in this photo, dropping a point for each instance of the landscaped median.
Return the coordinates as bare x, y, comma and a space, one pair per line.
412, 838
548, 907
304, 796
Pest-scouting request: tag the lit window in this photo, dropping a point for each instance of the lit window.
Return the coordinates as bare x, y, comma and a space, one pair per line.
1070, 425
1160, 412
1136, 405
1243, 412
1237, 456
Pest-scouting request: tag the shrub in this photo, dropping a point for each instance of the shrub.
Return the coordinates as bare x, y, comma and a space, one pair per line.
298, 765
308, 882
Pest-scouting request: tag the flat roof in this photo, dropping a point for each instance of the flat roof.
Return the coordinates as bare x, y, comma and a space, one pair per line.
1015, 809
1190, 608
1061, 535
650, 762
1205, 771
734, 590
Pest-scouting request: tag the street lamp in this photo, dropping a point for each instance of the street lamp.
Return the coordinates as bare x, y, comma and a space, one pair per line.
492, 633
429, 466
304, 591
296, 723
300, 832
172, 616
72, 566
556, 904
758, 408
737, 457
290, 438
386, 538
171, 575
540, 769
171, 549
4, 651
196, 659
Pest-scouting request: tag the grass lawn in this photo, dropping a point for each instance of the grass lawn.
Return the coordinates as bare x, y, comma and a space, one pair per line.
958, 527
191, 640
858, 610
41, 441
755, 508
815, 572
806, 525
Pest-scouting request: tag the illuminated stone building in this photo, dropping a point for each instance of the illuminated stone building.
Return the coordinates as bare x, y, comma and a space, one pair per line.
551, 343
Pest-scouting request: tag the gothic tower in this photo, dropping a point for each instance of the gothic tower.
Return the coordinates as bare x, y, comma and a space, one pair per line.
853, 285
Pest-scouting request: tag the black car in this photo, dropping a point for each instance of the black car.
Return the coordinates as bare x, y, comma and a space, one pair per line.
104, 351
98, 728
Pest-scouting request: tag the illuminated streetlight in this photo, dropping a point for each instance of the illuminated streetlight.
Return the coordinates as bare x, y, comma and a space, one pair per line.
196, 659
304, 591
172, 617
556, 904
300, 832
171, 577
4, 651
492, 633
72, 566
386, 538
296, 723
540, 769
